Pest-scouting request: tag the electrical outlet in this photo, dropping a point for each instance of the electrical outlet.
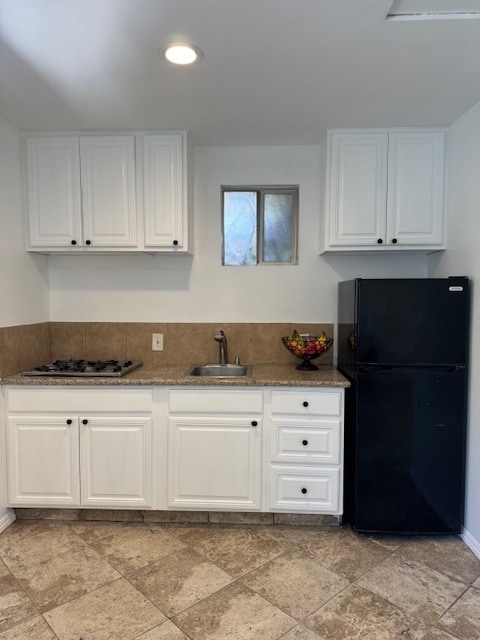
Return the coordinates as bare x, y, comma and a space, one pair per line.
157, 341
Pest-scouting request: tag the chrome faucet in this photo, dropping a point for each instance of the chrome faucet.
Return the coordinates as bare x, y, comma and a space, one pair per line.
222, 348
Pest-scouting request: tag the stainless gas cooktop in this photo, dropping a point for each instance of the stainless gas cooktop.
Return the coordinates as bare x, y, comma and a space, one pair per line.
85, 368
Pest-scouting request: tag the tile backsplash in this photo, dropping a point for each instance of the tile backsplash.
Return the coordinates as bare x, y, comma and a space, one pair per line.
26, 346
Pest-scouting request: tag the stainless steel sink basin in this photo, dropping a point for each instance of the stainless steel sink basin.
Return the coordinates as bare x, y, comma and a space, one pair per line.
219, 370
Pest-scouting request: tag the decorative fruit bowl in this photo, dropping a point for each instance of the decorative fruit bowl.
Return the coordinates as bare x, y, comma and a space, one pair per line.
307, 348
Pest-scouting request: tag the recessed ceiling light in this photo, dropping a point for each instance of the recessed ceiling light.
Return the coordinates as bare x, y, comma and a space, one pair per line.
181, 53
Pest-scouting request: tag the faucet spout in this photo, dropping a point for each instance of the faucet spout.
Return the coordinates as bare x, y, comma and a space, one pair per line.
221, 338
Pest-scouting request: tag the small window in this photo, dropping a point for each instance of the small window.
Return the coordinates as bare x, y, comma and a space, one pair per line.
259, 225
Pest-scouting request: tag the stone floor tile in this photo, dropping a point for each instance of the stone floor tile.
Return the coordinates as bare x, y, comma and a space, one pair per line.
448, 554
477, 583
234, 612
93, 531
178, 517
342, 551
240, 517
179, 580
423, 632
25, 544
239, 550
306, 519
65, 577
47, 514
135, 547
190, 534
295, 583
358, 614
33, 629
110, 515
3, 569
15, 606
414, 587
165, 631
116, 611
300, 632
463, 618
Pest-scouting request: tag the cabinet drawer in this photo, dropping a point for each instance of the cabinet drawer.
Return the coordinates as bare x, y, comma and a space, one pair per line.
319, 402
210, 401
297, 489
294, 441
80, 400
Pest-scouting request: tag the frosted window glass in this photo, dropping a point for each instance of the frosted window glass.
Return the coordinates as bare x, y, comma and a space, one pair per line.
278, 227
240, 227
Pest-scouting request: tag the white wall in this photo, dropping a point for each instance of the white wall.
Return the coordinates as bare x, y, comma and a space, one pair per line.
23, 278
463, 258
199, 289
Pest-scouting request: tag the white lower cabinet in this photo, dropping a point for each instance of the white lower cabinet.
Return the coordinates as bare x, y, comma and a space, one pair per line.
79, 448
197, 448
306, 450
304, 489
43, 461
214, 449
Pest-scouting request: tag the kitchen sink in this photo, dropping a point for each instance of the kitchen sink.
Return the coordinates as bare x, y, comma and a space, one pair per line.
220, 370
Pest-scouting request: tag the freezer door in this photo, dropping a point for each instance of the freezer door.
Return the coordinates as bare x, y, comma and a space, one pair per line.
409, 452
412, 321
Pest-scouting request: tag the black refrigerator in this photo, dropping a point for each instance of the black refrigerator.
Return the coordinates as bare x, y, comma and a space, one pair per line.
403, 344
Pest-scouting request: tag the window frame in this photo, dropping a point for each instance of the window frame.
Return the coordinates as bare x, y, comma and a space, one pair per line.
261, 191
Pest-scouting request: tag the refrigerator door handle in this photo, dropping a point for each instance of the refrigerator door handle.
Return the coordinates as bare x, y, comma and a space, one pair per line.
448, 368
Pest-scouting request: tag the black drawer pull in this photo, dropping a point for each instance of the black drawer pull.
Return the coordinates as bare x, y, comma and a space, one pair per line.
254, 423
304, 491
69, 421
84, 421
304, 442
305, 404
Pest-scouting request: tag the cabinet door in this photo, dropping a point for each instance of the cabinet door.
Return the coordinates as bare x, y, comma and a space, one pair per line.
108, 191
165, 192
214, 463
43, 461
357, 183
415, 188
54, 201
115, 461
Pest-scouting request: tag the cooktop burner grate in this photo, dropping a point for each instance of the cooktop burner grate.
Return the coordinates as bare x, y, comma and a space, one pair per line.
90, 368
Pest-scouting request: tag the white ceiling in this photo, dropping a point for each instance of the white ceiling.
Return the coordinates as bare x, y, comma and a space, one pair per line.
274, 71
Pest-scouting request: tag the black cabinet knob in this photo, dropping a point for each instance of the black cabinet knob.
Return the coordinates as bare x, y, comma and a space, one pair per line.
394, 241
69, 421
175, 242
304, 442
88, 242
304, 491
305, 404
84, 421
73, 242
379, 241
254, 423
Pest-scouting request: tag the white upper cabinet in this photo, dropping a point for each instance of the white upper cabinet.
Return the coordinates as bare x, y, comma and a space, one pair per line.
53, 190
385, 190
165, 192
107, 193
81, 193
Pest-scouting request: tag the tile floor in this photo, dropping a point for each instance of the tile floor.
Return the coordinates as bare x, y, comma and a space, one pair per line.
110, 581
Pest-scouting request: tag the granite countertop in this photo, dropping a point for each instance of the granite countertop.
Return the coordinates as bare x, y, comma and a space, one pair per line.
262, 375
